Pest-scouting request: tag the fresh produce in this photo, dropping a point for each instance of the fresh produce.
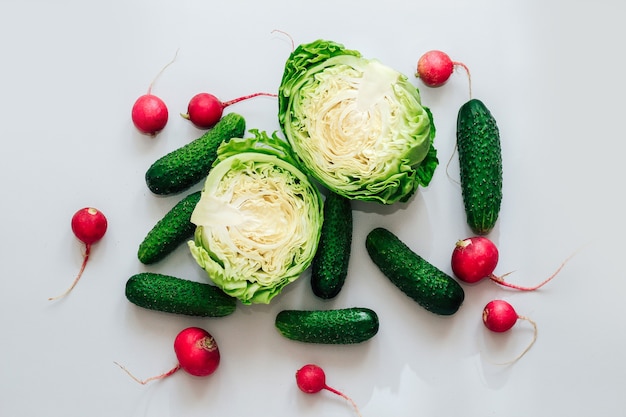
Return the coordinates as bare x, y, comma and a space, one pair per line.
435, 67
186, 166
175, 295
258, 220
476, 258
330, 264
311, 379
149, 113
170, 231
89, 225
480, 161
500, 316
357, 125
430, 287
205, 110
338, 326
197, 353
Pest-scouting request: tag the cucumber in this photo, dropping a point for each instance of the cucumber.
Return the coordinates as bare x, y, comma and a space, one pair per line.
186, 166
480, 162
339, 326
430, 287
169, 232
330, 264
178, 296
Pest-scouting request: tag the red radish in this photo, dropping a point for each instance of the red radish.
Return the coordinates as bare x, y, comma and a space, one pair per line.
499, 316
311, 379
435, 67
149, 113
197, 353
89, 226
475, 258
205, 110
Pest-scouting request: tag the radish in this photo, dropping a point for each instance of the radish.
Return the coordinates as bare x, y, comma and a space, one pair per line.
205, 110
435, 67
89, 226
499, 316
149, 113
197, 353
311, 379
475, 258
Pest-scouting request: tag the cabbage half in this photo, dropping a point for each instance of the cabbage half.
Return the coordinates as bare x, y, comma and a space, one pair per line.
258, 219
357, 125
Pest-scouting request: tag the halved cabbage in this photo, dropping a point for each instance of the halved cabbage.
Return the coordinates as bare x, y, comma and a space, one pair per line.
258, 219
357, 125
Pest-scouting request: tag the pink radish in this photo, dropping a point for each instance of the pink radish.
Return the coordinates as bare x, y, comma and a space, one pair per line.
197, 353
205, 110
435, 67
89, 226
499, 316
149, 113
475, 258
311, 379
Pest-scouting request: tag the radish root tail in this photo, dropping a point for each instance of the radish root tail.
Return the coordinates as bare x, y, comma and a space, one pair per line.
293, 45
80, 273
145, 381
344, 396
160, 72
530, 345
238, 99
469, 76
500, 279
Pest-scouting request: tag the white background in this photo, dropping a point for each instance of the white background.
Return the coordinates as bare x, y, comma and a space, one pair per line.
550, 71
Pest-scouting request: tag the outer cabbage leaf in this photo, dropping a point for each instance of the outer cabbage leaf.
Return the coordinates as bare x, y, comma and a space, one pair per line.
258, 219
357, 126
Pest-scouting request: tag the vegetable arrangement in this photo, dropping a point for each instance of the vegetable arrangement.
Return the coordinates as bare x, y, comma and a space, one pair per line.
480, 161
271, 208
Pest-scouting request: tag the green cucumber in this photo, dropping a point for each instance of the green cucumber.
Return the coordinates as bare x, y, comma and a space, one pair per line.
186, 166
178, 296
430, 287
330, 264
339, 326
169, 232
480, 163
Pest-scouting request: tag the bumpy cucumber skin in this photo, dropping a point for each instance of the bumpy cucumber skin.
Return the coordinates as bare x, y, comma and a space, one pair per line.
330, 264
169, 232
184, 167
340, 326
178, 296
430, 287
480, 161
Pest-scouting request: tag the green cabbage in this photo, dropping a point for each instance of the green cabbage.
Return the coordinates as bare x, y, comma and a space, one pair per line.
258, 220
357, 126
